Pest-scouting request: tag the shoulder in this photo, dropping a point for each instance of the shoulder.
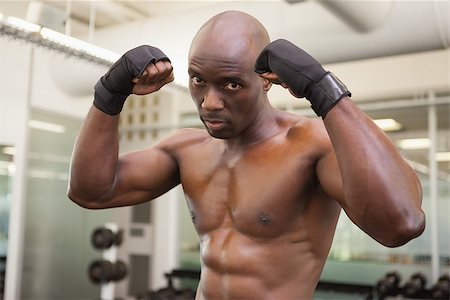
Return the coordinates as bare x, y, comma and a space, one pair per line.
308, 132
184, 138
301, 127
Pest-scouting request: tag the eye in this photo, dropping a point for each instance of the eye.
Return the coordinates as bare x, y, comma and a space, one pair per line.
197, 80
233, 86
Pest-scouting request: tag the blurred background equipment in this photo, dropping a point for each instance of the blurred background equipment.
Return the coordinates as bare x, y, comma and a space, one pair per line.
104, 238
109, 269
104, 271
389, 285
441, 290
173, 291
415, 287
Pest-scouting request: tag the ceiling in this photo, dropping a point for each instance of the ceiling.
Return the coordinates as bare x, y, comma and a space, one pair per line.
107, 12
367, 28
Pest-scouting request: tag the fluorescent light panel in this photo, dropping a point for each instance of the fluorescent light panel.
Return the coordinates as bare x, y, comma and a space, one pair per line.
414, 144
443, 156
9, 150
22, 24
47, 126
58, 41
388, 124
420, 144
77, 44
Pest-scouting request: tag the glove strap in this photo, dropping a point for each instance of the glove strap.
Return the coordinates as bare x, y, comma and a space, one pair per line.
326, 93
106, 101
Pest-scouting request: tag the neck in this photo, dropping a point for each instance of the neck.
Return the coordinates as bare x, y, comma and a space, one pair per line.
263, 127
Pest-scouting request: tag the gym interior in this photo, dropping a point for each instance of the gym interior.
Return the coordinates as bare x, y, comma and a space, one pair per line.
393, 55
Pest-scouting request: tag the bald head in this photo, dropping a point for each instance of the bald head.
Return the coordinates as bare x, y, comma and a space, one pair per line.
232, 34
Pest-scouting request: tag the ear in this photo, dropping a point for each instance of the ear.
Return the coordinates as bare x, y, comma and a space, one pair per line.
267, 84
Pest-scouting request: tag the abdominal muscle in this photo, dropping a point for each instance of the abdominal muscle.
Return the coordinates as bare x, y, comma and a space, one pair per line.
235, 266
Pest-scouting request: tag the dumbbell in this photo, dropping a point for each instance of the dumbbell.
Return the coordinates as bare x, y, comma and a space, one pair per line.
415, 286
389, 285
103, 238
441, 290
120, 271
104, 271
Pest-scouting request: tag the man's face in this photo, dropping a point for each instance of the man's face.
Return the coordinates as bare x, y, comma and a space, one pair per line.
225, 89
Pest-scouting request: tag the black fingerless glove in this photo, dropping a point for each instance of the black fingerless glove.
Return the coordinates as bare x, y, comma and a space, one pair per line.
304, 76
116, 85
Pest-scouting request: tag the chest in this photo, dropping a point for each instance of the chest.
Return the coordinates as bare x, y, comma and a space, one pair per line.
261, 193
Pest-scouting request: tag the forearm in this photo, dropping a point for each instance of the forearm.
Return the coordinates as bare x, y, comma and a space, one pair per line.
97, 177
382, 192
95, 156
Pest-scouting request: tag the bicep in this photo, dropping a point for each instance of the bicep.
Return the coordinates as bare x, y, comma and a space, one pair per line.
143, 176
329, 176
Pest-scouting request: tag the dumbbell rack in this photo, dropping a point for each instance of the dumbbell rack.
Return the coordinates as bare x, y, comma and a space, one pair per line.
109, 254
414, 288
108, 269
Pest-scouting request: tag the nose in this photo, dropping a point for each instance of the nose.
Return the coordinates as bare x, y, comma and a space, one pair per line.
212, 100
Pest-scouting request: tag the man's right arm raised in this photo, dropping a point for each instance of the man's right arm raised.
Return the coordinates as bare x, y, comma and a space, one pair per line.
99, 177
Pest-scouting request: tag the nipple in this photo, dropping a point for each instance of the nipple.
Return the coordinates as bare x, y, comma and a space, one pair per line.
264, 219
192, 216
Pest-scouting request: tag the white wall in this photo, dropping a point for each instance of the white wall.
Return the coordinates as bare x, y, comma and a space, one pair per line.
58, 84
64, 85
397, 76
400, 76
14, 70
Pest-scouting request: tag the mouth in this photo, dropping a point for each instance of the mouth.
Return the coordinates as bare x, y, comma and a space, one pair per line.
215, 124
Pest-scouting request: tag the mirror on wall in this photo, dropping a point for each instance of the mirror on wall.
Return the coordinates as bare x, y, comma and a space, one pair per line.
57, 250
6, 173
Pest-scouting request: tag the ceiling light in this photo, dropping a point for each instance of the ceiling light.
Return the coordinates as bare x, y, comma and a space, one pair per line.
41, 36
53, 40
388, 124
79, 45
8, 150
443, 156
22, 24
47, 126
414, 144
47, 174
